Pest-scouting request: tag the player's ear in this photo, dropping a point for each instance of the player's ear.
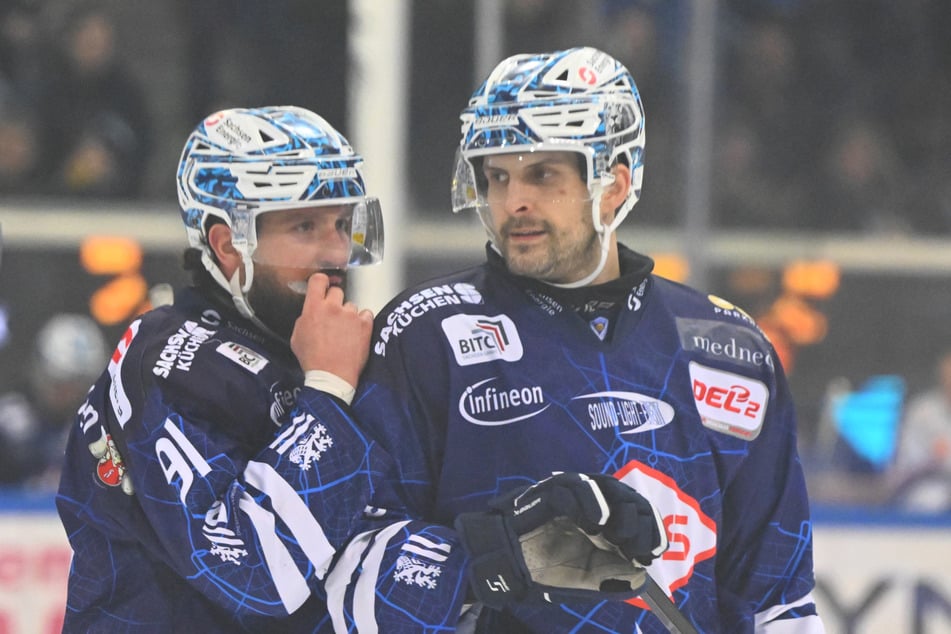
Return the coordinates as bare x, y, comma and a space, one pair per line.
219, 240
616, 192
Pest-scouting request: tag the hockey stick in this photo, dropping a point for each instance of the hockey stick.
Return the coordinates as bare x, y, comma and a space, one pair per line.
665, 609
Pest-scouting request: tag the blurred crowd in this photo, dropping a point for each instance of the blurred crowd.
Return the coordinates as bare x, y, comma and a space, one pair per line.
828, 116
73, 120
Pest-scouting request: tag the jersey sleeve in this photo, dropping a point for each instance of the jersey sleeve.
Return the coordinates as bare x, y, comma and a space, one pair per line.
408, 412
260, 531
767, 526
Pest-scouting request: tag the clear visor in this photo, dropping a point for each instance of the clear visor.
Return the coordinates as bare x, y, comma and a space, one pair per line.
471, 188
320, 237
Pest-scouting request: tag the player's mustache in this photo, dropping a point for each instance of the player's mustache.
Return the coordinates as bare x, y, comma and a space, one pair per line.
522, 224
338, 277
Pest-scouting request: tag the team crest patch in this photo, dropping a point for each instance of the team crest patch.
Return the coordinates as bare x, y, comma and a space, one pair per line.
226, 545
111, 468
247, 359
600, 327
311, 447
420, 562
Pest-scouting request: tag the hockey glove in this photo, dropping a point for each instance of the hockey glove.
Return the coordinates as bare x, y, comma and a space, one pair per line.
567, 537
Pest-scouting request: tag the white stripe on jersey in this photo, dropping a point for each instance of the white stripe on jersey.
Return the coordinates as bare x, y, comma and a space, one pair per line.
339, 578
764, 621
289, 582
194, 457
811, 624
289, 436
425, 552
430, 544
294, 512
364, 594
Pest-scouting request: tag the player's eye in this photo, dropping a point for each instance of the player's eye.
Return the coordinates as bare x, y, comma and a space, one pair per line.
343, 224
496, 176
304, 226
541, 174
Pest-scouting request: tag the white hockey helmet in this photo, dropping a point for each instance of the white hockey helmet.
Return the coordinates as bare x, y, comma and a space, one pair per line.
580, 100
241, 163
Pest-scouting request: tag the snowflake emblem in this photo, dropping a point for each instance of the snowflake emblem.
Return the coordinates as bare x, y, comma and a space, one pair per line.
225, 544
311, 447
414, 572
228, 554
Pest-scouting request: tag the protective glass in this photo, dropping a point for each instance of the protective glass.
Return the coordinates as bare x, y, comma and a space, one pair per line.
471, 189
329, 236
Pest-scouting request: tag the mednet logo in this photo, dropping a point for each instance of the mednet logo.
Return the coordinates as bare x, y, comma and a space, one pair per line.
487, 405
480, 338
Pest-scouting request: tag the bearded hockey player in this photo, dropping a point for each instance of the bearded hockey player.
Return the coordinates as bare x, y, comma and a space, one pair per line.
563, 352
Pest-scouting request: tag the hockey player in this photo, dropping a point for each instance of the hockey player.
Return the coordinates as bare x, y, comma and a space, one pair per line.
215, 480
563, 352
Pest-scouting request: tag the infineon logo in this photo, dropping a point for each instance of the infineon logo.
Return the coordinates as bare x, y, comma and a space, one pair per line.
728, 402
480, 338
484, 404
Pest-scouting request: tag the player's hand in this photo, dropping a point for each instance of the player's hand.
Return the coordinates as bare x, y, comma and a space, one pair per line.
568, 536
331, 334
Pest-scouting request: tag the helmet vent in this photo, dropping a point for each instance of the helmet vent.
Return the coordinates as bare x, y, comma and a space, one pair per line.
265, 137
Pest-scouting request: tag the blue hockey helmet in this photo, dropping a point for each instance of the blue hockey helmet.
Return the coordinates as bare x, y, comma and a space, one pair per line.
240, 163
580, 100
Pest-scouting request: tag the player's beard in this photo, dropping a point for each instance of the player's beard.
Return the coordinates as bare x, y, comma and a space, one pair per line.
563, 258
276, 305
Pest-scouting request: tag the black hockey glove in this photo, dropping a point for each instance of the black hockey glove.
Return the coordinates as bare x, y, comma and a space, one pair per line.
567, 537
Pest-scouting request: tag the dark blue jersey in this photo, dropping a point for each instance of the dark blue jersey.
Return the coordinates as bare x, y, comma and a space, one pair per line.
206, 490
479, 382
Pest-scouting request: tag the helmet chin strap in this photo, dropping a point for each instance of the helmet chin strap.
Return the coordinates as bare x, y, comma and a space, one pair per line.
237, 291
604, 235
238, 294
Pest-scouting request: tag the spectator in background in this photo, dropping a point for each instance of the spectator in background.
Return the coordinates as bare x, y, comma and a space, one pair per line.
922, 465
745, 193
648, 38
98, 121
24, 72
858, 186
256, 53
771, 123
68, 354
24, 47
20, 147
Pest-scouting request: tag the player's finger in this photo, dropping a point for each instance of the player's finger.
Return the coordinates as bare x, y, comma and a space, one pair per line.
317, 285
335, 295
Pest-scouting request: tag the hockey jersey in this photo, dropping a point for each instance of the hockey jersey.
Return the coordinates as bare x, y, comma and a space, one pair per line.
481, 381
206, 489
